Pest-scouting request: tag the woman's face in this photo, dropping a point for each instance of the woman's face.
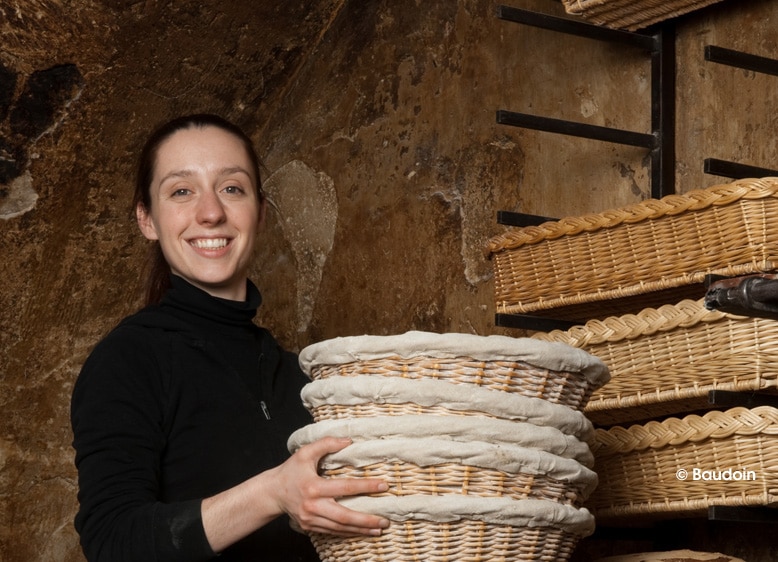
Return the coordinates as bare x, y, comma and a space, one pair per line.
204, 209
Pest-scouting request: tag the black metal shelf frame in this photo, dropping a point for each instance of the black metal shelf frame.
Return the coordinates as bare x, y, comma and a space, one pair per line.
737, 59
660, 142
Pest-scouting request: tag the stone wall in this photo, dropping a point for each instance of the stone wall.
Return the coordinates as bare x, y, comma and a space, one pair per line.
385, 170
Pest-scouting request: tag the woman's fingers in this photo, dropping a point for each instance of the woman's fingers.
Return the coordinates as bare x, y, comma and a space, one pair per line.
319, 511
331, 517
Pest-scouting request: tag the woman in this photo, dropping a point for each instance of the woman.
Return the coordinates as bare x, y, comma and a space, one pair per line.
181, 414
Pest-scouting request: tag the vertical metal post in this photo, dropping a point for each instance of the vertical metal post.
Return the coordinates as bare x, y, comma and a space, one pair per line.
663, 112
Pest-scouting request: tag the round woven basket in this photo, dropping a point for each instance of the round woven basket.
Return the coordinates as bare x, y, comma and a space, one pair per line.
552, 371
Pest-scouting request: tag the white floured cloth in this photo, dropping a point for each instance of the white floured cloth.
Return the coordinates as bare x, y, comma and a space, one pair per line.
499, 511
456, 429
556, 356
366, 389
427, 452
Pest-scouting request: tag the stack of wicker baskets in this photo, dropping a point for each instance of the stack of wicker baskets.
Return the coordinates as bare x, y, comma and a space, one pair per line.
661, 456
481, 439
632, 14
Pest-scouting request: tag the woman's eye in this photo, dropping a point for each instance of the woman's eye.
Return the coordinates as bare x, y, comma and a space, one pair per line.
233, 189
180, 192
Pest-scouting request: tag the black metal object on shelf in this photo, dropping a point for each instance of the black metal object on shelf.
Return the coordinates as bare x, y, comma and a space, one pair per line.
661, 140
748, 295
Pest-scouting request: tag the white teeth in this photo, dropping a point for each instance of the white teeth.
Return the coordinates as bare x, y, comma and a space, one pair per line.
210, 243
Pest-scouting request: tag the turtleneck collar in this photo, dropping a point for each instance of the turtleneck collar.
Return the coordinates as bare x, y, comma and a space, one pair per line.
198, 304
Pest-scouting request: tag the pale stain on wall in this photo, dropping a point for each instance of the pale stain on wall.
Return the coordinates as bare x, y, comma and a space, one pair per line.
307, 208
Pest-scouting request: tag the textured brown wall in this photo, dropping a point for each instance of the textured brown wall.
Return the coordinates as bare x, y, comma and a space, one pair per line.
385, 168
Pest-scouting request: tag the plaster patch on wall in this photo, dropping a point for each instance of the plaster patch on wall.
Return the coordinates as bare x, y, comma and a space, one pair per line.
589, 105
307, 207
18, 197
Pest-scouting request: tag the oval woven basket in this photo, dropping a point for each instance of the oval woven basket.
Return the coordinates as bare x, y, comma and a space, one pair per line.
627, 255
664, 361
684, 466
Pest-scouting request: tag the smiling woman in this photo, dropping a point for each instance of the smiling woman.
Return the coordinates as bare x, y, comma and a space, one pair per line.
205, 209
181, 414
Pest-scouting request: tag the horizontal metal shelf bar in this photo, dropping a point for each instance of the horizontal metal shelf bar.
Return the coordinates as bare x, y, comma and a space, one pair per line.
741, 60
510, 218
732, 399
572, 128
749, 514
581, 29
736, 171
536, 323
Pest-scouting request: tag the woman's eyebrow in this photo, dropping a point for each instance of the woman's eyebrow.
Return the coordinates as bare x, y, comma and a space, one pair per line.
226, 171
176, 174
233, 170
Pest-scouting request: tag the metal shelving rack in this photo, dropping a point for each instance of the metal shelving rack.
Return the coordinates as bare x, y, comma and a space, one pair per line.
660, 44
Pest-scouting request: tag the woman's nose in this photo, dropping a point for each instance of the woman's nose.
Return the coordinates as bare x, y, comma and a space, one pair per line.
210, 209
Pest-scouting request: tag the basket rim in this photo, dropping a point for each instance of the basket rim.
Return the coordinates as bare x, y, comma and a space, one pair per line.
420, 345
684, 314
693, 428
367, 389
499, 511
650, 209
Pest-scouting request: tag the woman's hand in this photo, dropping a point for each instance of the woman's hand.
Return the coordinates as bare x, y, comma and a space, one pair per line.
310, 500
294, 488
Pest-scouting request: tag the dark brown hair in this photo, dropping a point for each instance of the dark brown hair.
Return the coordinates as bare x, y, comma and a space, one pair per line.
157, 268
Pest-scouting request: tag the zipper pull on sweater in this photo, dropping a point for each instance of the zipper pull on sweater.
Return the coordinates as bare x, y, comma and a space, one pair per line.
265, 409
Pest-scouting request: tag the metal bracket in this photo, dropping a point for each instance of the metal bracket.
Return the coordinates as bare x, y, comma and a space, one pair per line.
737, 59
661, 141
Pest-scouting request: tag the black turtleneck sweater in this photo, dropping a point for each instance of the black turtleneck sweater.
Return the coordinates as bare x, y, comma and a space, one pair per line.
181, 401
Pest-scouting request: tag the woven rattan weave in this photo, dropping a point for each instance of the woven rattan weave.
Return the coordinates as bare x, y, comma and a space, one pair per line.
665, 361
407, 478
632, 14
679, 466
415, 541
559, 387
656, 245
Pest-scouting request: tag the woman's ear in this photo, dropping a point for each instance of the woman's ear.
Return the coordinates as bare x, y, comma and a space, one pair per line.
145, 223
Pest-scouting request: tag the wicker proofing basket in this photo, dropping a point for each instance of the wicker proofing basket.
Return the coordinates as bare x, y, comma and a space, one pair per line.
632, 14
556, 372
649, 470
665, 361
624, 260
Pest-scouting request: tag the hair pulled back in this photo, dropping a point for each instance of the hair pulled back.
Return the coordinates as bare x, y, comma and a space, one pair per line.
157, 268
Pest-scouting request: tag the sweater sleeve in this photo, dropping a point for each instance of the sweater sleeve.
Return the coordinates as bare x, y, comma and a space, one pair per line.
117, 416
